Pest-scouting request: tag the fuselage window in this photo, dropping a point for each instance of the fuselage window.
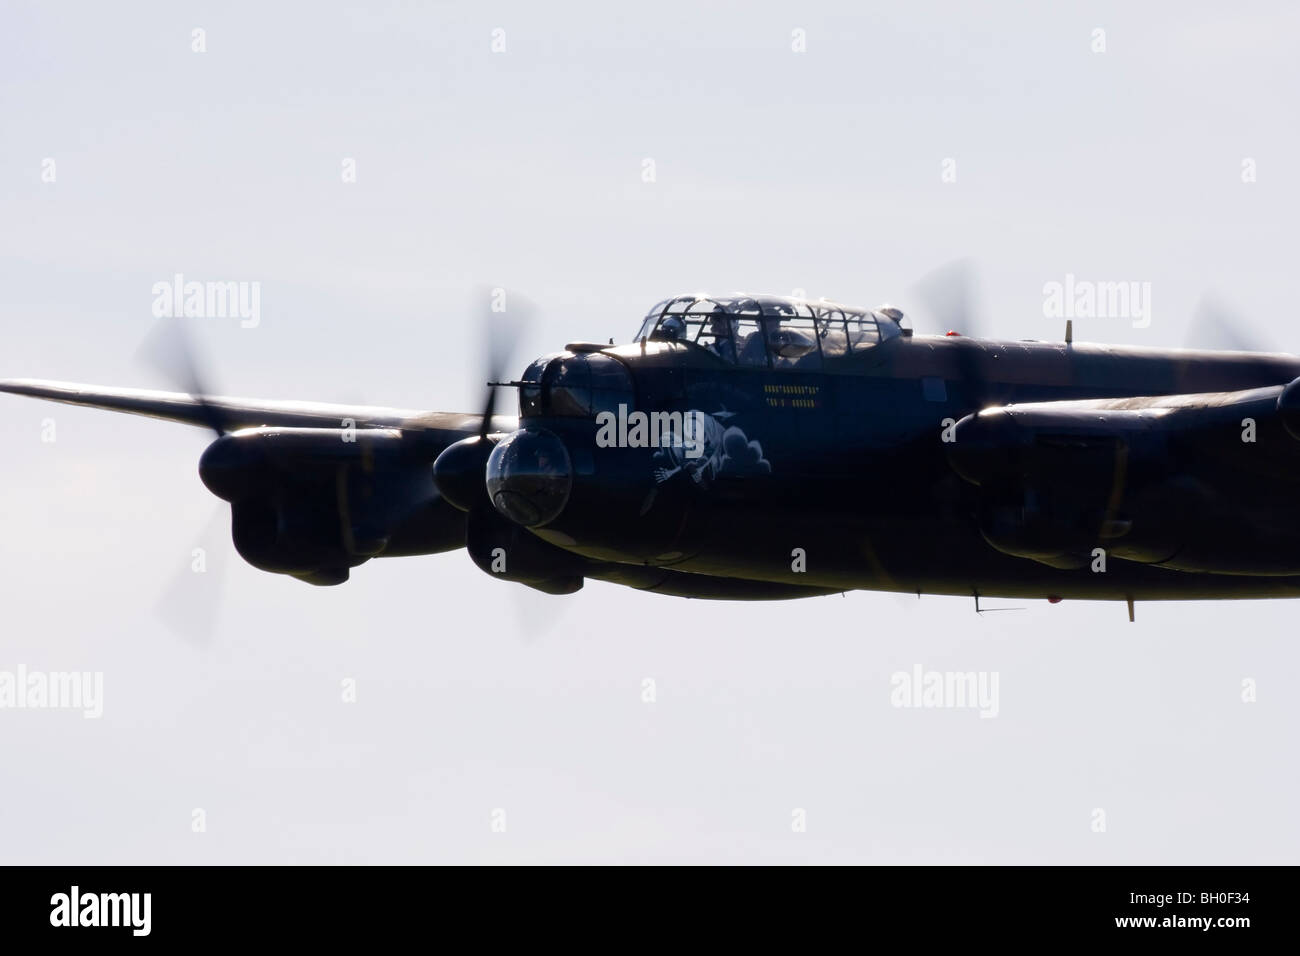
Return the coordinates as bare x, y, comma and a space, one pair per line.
833, 334
567, 387
863, 333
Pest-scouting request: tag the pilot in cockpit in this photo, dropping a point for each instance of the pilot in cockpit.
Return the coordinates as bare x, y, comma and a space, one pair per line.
724, 342
671, 329
759, 342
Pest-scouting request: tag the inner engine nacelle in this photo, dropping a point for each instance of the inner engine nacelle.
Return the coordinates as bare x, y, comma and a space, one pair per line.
1054, 486
315, 502
513, 553
1029, 521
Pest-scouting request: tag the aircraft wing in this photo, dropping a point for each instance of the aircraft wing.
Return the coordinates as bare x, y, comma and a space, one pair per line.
304, 503
238, 413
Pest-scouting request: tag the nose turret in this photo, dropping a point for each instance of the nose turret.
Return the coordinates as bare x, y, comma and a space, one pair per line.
529, 477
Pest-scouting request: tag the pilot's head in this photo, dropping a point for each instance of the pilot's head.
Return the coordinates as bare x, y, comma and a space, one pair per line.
720, 326
672, 328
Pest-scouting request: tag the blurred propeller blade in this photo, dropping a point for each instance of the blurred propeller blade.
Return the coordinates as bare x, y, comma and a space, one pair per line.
1215, 326
191, 603
505, 317
536, 614
169, 351
949, 294
489, 409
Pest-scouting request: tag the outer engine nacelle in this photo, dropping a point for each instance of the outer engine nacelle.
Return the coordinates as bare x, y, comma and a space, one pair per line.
314, 502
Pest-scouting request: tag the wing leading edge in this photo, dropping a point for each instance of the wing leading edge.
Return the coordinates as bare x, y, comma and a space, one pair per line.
244, 412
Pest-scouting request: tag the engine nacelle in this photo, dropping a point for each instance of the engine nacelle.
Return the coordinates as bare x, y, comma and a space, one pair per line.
1055, 485
510, 552
314, 502
1028, 521
1288, 409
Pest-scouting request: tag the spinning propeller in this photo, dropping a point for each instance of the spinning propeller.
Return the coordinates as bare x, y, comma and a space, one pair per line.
191, 601
169, 351
949, 294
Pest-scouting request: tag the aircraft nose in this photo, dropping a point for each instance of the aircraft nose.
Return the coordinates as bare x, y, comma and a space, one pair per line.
529, 477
